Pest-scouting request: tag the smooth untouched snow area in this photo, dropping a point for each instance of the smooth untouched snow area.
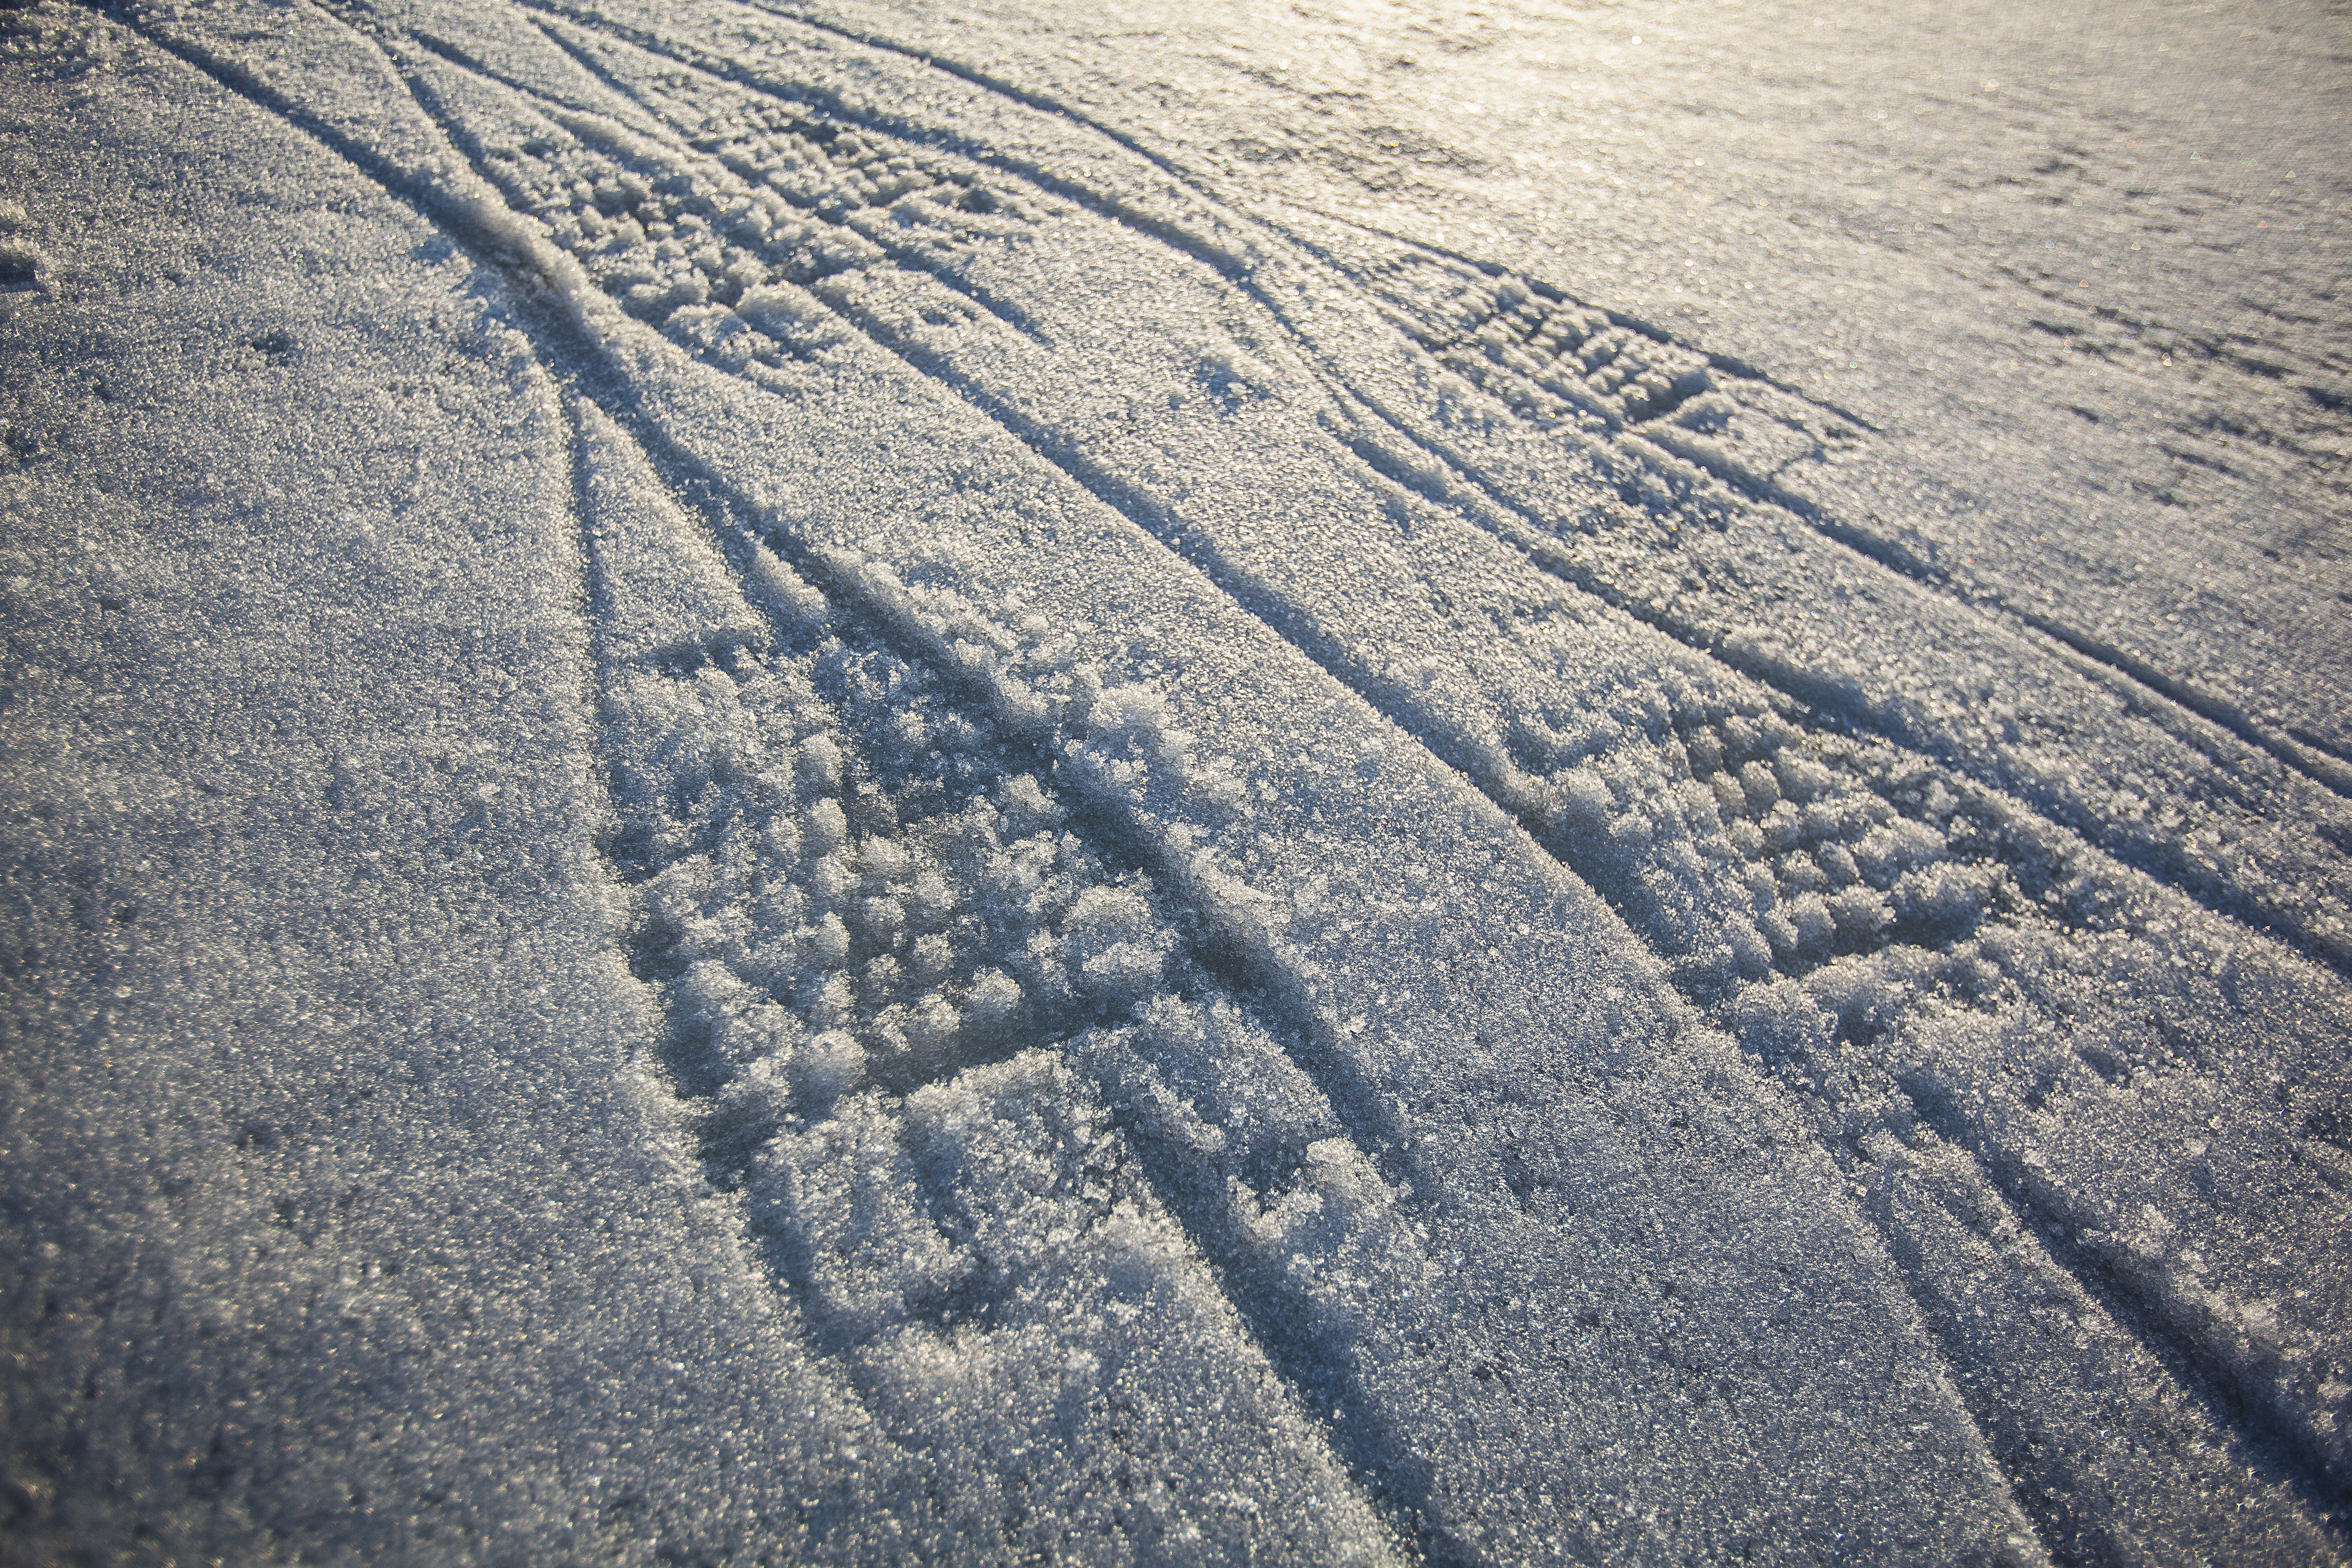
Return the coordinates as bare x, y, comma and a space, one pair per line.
1130, 783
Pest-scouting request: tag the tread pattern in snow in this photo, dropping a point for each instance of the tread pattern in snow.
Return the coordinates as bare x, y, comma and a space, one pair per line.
918, 1017
1807, 850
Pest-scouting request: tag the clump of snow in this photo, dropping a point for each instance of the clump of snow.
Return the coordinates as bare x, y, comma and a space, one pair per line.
21, 261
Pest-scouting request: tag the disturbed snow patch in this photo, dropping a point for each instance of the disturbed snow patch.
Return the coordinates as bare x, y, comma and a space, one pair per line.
950, 1055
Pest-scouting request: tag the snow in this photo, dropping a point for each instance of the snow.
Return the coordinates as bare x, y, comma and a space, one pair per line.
940, 782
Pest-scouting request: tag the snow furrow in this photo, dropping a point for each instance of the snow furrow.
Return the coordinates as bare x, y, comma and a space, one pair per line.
2046, 1366
2304, 754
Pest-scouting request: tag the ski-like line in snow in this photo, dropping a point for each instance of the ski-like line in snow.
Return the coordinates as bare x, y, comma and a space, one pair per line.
1262, 612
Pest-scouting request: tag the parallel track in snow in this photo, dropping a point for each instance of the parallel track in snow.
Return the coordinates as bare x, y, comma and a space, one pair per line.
2167, 1339
1066, 455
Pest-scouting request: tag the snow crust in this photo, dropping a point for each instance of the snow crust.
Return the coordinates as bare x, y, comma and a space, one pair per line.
845, 816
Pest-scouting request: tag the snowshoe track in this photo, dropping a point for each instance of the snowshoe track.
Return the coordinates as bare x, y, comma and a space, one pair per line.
739, 769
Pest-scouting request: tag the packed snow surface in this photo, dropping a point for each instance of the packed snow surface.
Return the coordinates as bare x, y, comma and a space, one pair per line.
1213, 783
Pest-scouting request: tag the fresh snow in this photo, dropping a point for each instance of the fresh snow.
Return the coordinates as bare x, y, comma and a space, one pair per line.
1014, 782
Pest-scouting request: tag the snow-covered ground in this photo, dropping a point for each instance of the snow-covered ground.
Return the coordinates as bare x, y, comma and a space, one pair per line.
1015, 780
